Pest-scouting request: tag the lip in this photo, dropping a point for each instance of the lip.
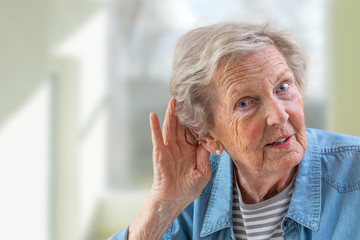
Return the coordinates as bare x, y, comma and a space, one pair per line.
284, 144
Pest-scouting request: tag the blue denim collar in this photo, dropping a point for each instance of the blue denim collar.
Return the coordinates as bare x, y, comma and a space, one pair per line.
218, 213
305, 205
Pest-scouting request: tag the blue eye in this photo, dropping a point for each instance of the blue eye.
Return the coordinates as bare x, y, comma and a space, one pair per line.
244, 103
283, 87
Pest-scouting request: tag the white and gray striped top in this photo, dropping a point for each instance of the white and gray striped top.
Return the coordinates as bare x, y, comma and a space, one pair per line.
261, 220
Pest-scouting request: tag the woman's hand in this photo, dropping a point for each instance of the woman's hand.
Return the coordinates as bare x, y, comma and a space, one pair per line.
181, 166
181, 171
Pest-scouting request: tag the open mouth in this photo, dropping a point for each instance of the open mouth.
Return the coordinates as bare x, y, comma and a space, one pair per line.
278, 142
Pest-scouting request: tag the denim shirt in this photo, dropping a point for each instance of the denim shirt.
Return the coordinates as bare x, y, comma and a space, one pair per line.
325, 203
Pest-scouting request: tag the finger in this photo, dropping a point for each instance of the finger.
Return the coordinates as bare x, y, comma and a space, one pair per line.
202, 160
195, 135
156, 134
190, 139
180, 131
166, 123
169, 122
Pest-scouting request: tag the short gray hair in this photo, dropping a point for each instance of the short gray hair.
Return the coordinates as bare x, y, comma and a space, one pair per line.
198, 54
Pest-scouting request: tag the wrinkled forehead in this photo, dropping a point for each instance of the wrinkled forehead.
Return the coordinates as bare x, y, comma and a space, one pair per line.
237, 66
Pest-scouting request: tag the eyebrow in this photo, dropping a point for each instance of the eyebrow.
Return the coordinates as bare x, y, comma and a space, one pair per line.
280, 74
283, 72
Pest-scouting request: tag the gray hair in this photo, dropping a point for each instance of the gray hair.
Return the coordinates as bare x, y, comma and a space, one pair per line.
198, 54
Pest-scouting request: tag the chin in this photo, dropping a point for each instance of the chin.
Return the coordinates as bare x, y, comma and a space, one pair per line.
292, 159
286, 162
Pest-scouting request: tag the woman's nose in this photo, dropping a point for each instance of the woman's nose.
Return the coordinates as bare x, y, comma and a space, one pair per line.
276, 113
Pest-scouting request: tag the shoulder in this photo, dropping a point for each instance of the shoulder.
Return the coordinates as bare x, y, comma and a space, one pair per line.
328, 141
340, 158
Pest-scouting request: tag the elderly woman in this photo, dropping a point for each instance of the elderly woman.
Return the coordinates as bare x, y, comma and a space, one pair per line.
234, 160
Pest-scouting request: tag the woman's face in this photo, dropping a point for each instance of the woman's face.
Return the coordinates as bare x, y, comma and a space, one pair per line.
258, 115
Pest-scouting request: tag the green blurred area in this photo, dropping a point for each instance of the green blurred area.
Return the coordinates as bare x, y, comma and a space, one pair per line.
345, 63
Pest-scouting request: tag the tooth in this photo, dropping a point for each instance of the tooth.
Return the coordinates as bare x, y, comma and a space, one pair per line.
279, 141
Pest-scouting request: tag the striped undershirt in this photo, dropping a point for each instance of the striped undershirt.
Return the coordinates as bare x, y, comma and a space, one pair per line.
261, 220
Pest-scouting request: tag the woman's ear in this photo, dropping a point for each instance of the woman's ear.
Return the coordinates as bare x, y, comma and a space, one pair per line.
211, 144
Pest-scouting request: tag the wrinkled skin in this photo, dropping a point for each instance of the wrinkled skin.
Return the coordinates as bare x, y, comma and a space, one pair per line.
258, 103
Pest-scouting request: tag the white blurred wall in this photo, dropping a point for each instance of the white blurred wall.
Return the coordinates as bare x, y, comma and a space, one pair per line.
24, 122
78, 79
52, 117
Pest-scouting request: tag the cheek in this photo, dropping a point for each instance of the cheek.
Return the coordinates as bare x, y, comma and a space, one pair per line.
253, 131
246, 133
297, 120
230, 129
296, 113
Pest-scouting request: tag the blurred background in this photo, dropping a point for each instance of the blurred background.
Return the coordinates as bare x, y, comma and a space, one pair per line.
78, 79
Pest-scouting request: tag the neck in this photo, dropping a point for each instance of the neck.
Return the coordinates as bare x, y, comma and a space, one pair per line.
258, 186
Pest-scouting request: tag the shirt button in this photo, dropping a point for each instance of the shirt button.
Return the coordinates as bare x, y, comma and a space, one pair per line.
286, 222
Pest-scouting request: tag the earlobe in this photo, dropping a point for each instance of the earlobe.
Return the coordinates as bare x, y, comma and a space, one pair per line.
211, 144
